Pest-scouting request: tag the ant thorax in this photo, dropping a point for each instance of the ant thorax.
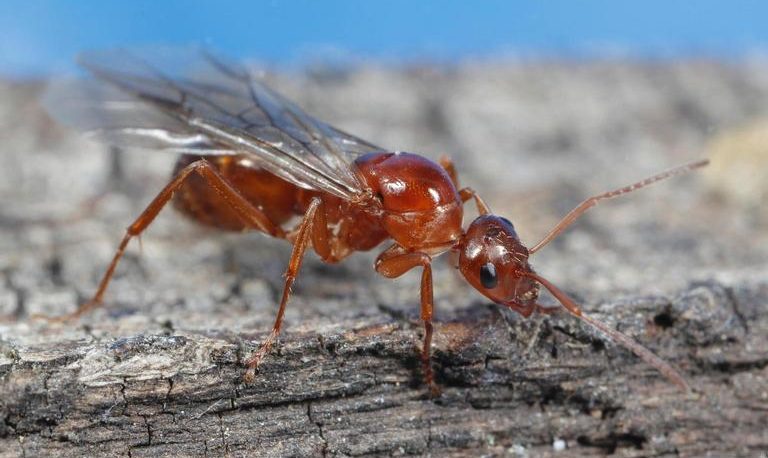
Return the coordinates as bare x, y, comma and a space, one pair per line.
422, 209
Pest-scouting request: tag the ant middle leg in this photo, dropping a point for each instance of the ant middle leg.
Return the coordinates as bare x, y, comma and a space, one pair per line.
394, 262
450, 168
250, 215
465, 193
312, 227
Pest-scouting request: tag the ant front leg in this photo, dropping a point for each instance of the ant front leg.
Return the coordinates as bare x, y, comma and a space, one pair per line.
467, 192
447, 163
249, 214
312, 227
394, 262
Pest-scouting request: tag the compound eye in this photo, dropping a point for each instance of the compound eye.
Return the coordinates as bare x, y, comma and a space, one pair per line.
488, 276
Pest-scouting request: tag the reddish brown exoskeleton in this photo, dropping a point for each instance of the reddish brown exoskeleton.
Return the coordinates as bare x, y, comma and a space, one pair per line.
251, 159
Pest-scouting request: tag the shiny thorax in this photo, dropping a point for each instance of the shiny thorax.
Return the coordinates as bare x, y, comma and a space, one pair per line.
414, 202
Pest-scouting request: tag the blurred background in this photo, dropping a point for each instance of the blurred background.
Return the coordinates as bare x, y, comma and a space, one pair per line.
38, 38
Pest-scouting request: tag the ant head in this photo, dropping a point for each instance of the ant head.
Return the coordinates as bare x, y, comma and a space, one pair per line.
493, 260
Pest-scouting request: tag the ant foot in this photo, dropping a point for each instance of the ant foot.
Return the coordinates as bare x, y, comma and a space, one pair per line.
249, 376
253, 364
435, 391
255, 360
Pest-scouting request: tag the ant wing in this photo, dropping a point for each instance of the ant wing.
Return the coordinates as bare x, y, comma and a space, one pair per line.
352, 145
112, 116
190, 101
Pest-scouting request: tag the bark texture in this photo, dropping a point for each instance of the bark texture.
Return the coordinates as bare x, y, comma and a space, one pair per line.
157, 372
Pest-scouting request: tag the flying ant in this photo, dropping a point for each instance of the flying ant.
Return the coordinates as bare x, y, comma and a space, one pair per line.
252, 160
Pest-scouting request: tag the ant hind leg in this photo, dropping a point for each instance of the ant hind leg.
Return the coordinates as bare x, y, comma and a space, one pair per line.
310, 228
447, 163
251, 215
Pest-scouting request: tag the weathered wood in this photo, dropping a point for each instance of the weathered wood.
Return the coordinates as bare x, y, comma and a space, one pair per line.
158, 371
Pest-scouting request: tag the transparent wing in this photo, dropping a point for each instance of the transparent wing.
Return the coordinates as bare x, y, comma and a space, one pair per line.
350, 144
190, 101
110, 115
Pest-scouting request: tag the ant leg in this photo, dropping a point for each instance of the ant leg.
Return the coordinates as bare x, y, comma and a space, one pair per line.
469, 193
574, 214
303, 236
394, 262
250, 215
320, 237
447, 163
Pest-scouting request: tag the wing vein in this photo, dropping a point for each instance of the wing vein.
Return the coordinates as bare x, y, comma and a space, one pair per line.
197, 103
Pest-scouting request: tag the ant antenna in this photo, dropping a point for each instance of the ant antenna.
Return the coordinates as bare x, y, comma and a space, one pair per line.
622, 339
574, 214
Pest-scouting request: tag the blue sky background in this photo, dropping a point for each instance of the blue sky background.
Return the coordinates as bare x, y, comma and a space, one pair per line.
41, 37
